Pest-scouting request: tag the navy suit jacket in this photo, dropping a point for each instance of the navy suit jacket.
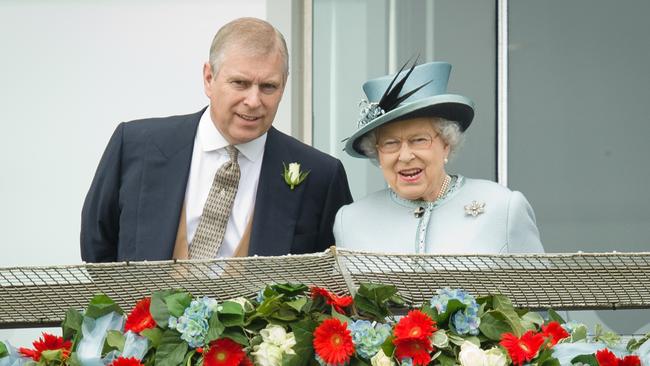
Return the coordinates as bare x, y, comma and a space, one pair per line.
133, 207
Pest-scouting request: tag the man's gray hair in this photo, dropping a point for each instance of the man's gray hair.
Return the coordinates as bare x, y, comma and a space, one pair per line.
252, 35
449, 133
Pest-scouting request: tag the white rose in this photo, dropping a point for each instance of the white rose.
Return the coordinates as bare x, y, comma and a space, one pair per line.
380, 359
278, 336
471, 355
496, 357
267, 354
294, 172
288, 343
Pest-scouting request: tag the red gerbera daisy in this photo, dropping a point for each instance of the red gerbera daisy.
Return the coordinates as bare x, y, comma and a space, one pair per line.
338, 302
130, 361
140, 317
630, 361
246, 362
415, 325
418, 349
606, 357
524, 348
223, 352
333, 342
48, 342
555, 332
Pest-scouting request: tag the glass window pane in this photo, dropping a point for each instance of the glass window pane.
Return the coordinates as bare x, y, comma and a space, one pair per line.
579, 124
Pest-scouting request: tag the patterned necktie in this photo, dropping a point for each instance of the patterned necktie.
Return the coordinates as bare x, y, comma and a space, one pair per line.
217, 209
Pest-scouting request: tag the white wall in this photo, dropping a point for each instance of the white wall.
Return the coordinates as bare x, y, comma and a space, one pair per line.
70, 71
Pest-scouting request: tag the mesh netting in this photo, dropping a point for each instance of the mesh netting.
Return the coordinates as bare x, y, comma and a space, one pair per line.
39, 296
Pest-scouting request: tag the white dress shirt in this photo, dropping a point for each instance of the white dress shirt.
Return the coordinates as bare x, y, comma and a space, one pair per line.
207, 157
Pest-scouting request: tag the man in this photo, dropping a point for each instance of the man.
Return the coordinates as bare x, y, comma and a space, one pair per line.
211, 184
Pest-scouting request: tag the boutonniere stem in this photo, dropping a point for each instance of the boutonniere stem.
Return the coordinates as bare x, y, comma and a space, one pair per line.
292, 175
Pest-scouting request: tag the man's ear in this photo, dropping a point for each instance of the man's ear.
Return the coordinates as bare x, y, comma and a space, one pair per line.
208, 78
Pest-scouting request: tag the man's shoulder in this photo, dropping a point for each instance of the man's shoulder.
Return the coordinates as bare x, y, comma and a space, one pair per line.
161, 129
154, 123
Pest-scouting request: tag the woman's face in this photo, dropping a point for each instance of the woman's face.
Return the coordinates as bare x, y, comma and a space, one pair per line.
411, 156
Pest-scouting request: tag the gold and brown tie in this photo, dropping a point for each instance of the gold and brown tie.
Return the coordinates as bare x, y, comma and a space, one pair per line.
214, 219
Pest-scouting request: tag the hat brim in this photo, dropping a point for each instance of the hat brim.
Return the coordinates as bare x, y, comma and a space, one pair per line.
452, 107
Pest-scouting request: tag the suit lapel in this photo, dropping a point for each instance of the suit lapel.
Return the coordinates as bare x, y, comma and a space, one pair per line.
276, 206
165, 171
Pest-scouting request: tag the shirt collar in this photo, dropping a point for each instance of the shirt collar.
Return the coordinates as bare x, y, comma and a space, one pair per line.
211, 139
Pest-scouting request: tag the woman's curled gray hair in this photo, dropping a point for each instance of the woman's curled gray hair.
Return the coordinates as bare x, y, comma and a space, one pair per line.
449, 132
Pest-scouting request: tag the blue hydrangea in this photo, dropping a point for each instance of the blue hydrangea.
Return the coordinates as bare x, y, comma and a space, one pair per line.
406, 361
260, 296
465, 321
193, 324
368, 338
202, 307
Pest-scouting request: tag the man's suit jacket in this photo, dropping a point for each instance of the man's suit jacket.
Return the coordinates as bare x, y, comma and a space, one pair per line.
134, 203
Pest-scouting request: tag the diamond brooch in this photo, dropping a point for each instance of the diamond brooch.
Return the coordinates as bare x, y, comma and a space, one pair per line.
475, 208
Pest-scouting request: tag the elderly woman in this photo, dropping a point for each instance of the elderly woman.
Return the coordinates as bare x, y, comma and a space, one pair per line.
411, 127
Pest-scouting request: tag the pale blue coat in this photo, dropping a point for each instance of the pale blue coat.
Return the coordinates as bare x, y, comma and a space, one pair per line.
383, 222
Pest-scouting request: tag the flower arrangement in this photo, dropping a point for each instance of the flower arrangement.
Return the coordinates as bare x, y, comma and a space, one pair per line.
294, 325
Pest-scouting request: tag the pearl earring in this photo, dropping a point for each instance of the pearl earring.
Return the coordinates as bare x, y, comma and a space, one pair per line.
446, 160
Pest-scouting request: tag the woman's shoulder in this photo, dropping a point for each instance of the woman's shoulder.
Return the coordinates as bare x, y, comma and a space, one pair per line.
372, 201
484, 186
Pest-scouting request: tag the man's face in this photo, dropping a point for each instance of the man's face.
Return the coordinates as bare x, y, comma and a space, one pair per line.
245, 94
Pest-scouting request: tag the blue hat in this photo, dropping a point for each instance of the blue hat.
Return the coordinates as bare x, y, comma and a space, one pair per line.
420, 91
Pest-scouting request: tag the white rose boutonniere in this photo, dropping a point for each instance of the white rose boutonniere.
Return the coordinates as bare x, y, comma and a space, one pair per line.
292, 175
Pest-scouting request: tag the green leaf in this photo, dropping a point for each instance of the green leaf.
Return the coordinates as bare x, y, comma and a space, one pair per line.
172, 349
188, 358
177, 302
453, 306
285, 314
71, 323
297, 304
550, 362
579, 333
590, 360
73, 360
3, 350
158, 308
115, 340
215, 328
388, 347
341, 317
303, 332
634, 344
504, 306
51, 355
374, 300
270, 305
101, 305
236, 334
231, 314
154, 335
356, 361
445, 360
545, 357
553, 315
532, 320
290, 290
493, 324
